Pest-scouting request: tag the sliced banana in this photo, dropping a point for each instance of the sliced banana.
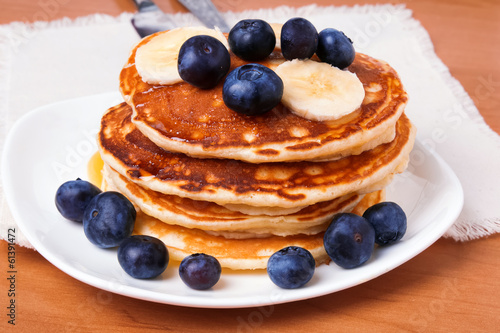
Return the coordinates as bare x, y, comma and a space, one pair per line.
319, 91
156, 61
277, 32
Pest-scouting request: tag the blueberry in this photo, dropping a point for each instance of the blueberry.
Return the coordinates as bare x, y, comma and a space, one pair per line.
299, 39
72, 198
252, 40
203, 61
335, 48
252, 89
291, 267
349, 240
108, 219
389, 221
143, 257
200, 271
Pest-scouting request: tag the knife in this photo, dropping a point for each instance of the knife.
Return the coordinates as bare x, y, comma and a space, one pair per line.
150, 18
206, 12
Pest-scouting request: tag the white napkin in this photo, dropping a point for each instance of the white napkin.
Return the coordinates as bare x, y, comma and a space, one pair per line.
47, 62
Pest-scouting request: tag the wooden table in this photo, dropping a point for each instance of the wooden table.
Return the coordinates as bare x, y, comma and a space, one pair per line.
450, 287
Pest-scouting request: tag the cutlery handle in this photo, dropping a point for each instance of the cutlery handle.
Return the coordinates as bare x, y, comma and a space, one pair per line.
145, 5
206, 12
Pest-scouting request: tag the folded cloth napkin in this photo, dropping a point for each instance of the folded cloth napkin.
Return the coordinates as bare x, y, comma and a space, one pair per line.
46, 62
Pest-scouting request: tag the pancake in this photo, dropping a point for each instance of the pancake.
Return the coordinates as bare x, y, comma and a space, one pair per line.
124, 148
251, 253
183, 118
209, 216
236, 254
367, 201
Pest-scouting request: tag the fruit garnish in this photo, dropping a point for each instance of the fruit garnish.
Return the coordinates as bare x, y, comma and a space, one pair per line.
291, 267
108, 219
335, 48
299, 39
156, 61
143, 257
200, 271
72, 198
252, 40
319, 91
252, 89
277, 33
349, 240
203, 61
389, 221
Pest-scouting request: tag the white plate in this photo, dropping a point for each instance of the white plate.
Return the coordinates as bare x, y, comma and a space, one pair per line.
53, 143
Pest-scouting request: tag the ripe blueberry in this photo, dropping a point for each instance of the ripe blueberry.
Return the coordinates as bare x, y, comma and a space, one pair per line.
143, 257
335, 48
108, 219
349, 240
203, 61
252, 40
252, 89
72, 198
299, 39
291, 267
200, 271
389, 221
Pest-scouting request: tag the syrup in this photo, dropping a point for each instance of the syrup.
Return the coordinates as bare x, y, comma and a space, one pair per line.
94, 169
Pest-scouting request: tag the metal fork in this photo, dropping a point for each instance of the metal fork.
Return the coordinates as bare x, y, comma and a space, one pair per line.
150, 18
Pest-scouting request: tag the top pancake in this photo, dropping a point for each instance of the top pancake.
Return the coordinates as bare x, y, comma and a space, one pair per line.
196, 122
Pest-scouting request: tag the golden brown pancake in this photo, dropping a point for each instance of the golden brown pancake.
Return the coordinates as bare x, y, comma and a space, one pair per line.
237, 254
368, 201
249, 253
209, 216
193, 121
124, 148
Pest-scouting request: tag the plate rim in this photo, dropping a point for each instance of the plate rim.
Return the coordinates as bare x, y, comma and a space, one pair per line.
178, 300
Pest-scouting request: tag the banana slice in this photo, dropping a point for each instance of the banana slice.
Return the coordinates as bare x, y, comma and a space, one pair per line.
277, 32
319, 91
156, 61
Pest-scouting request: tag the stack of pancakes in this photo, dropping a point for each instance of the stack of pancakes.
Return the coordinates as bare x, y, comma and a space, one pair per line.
207, 179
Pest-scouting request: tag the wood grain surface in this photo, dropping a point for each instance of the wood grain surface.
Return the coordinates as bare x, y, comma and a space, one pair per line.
450, 287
